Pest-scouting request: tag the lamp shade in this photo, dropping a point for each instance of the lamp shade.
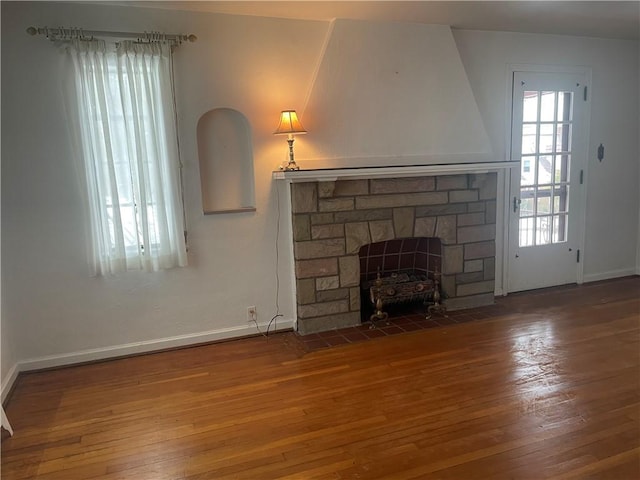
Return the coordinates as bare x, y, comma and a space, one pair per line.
289, 123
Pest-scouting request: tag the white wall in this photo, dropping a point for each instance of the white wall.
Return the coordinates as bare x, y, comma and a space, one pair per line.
53, 312
611, 228
638, 241
389, 92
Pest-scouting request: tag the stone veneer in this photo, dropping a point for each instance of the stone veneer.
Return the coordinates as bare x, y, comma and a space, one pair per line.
332, 220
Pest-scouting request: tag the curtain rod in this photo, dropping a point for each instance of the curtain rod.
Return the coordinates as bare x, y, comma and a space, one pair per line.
56, 33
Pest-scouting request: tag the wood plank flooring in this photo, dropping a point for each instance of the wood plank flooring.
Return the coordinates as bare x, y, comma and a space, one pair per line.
547, 386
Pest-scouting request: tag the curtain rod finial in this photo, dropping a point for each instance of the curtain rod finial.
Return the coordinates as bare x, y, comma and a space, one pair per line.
32, 30
192, 38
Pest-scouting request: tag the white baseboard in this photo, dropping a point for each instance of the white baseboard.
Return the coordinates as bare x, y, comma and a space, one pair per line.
147, 346
8, 382
623, 272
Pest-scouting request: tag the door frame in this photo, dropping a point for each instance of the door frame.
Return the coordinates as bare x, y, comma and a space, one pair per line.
512, 68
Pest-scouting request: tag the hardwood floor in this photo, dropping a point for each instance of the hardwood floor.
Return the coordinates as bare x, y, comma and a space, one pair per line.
547, 386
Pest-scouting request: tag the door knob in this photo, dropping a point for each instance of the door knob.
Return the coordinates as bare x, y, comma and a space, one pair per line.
516, 203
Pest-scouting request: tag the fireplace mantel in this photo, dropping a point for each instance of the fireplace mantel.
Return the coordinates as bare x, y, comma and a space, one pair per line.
398, 171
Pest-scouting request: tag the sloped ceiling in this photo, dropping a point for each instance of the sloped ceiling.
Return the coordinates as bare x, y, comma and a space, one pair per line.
615, 19
390, 86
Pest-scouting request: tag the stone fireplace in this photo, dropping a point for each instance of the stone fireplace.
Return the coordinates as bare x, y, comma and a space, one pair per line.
332, 220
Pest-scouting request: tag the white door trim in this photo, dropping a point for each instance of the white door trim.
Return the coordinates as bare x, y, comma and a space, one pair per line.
510, 69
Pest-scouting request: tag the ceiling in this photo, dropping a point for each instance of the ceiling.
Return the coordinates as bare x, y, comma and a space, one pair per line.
607, 19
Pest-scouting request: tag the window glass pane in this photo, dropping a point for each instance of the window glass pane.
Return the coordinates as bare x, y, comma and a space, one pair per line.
129, 226
562, 168
152, 222
559, 228
543, 201
109, 211
526, 231
527, 196
530, 107
545, 167
123, 182
547, 106
546, 139
529, 138
543, 230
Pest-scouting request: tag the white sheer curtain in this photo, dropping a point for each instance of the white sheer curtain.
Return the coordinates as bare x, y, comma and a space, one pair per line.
126, 126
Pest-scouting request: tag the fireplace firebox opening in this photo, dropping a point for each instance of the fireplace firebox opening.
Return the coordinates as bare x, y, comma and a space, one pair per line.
398, 275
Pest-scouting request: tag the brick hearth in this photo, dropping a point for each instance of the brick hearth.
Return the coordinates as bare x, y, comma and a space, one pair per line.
333, 219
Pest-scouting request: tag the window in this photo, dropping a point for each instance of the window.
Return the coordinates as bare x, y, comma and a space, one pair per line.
126, 124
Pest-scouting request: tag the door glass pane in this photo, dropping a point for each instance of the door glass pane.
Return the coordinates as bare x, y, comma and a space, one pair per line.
546, 138
526, 231
530, 110
561, 199
527, 206
563, 137
543, 201
547, 106
529, 138
528, 171
564, 106
562, 168
545, 167
543, 230
559, 228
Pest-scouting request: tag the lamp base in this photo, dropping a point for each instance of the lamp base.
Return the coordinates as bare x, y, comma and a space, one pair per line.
289, 167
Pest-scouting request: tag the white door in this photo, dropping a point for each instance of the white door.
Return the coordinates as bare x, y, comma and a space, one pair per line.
547, 198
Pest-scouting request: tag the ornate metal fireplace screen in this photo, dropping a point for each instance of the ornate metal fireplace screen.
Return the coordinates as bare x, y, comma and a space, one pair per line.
400, 271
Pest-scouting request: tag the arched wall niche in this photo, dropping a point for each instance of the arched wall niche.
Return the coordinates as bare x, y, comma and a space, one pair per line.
226, 162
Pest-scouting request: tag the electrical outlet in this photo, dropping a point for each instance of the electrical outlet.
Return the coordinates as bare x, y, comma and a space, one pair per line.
252, 314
